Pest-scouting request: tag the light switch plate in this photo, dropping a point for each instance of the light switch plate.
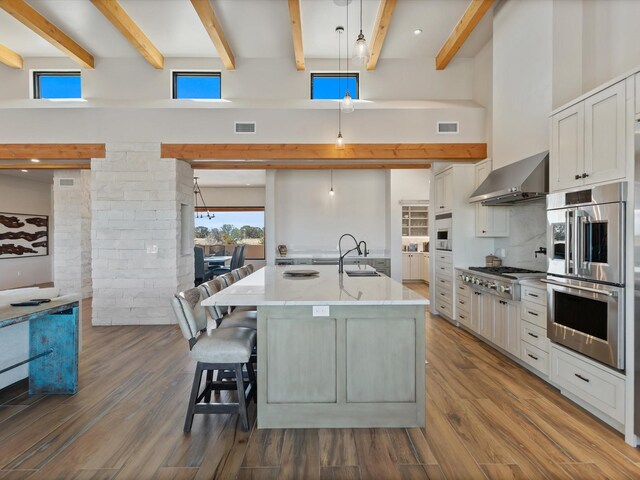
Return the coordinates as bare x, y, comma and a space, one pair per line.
321, 311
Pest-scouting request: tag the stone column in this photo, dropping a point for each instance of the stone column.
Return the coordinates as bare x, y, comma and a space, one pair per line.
138, 261
71, 232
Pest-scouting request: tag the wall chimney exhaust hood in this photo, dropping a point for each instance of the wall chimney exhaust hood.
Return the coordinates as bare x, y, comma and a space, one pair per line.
519, 182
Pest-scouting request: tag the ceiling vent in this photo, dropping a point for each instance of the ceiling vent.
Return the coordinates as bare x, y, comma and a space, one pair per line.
448, 127
245, 127
66, 182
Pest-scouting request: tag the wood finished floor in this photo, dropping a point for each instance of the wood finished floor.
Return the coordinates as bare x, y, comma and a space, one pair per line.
486, 418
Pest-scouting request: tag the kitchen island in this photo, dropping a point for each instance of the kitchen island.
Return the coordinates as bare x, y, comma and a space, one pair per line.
334, 350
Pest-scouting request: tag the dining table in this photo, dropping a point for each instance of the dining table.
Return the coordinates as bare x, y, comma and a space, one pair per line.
217, 261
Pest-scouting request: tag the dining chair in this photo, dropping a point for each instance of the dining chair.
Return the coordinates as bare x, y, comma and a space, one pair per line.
232, 266
201, 274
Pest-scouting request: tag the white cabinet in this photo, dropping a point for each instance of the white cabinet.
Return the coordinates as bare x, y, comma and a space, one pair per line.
490, 221
415, 221
412, 266
588, 140
482, 313
425, 267
444, 187
507, 326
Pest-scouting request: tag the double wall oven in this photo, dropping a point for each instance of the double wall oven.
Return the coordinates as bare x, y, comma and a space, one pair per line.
585, 281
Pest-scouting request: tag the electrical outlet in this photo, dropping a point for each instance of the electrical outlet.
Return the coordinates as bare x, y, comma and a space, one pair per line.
152, 249
321, 311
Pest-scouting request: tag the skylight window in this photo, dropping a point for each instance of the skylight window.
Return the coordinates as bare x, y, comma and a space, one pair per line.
197, 85
333, 86
57, 85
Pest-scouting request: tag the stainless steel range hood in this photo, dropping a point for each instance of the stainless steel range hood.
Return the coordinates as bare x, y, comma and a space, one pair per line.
519, 182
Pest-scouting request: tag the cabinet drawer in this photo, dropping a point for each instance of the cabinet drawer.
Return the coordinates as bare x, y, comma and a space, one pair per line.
378, 262
443, 258
594, 385
534, 335
463, 304
463, 317
535, 295
535, 357
534, 313
444, 269
444, 281
444, 307
444, 293
463, 291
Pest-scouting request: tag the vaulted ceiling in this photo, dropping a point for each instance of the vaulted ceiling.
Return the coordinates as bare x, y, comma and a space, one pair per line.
253, 28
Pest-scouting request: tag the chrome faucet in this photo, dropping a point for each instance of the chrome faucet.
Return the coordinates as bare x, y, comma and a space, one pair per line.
341, 260
364, 251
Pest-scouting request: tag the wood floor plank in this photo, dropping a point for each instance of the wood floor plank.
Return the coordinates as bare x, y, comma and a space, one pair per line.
376, 454
258, 473
175, 473
16, 474
402, 446
413, 472
95, 474
265, 448
9, 411
421, 446
340, 473
434, 472
504, 472
337, 447
585, 471
300, 455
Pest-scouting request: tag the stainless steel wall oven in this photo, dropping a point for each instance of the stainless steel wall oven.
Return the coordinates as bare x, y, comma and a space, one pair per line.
586, 268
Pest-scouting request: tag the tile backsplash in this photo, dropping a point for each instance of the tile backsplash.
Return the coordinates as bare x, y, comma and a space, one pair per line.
527, 233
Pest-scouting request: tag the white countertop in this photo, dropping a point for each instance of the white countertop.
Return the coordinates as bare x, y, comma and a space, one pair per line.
268, 287
533, 282
330, 255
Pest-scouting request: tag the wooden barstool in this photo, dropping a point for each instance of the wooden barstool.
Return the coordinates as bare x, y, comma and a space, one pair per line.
219, 349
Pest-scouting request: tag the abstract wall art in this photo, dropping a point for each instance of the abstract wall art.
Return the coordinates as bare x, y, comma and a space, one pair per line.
23, 235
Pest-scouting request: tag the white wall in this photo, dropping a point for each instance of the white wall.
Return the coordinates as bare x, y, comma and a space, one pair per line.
18, 195
308, 218
233, 196
483, 88
522, 73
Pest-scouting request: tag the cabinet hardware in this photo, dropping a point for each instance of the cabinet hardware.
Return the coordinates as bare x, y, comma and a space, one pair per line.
442, 294
577, 177
581, 377
461, 302
484, 231
462, 317
533, 335
532, 313
441, 206
585, 175
532, 295
535, 358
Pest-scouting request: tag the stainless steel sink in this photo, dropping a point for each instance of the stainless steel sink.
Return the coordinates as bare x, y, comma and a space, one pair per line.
362, 273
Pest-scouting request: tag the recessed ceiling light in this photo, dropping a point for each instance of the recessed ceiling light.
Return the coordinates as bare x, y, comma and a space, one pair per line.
23, 170
417, 31
35, 160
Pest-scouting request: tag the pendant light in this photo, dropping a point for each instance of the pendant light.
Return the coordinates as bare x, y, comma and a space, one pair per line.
339, 138
331, 191
198, 208
361, 49
346, 104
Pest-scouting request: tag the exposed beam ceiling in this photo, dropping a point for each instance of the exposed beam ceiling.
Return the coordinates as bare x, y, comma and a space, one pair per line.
26, 14
308, 151
10, 58
214, 29
471, 17
296, 32
130, 30
383, 20
46, 166
52, 151
297, 165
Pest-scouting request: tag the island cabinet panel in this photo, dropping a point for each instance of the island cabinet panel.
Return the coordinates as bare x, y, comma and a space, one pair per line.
363, 366
302, 381
381, 360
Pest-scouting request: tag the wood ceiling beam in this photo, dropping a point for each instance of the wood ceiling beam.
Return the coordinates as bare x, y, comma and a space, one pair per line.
30, 17
214, 29
10, 58
220, 165
45, 166
120, 19
383, 20
296, 32
470, 19
307, 151
52, 151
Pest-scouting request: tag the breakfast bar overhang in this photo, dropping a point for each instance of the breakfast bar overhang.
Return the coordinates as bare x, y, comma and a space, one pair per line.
335, 350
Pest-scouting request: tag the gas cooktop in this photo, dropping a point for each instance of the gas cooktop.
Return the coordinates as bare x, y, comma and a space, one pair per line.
509, 272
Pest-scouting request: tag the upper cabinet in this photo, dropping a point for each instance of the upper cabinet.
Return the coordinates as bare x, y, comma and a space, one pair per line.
490, 221
588, 141
444, 187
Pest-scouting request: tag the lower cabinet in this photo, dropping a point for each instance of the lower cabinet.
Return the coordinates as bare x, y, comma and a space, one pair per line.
412, 266
507, 319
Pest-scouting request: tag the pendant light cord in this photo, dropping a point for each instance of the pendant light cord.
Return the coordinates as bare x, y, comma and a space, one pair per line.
361, 17
347, 46
339, 81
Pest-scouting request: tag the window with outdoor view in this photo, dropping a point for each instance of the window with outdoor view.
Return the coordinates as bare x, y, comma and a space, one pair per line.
220, 234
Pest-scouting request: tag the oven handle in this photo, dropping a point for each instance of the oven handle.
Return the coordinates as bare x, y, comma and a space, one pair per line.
568, 248
586, 289
581, 219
